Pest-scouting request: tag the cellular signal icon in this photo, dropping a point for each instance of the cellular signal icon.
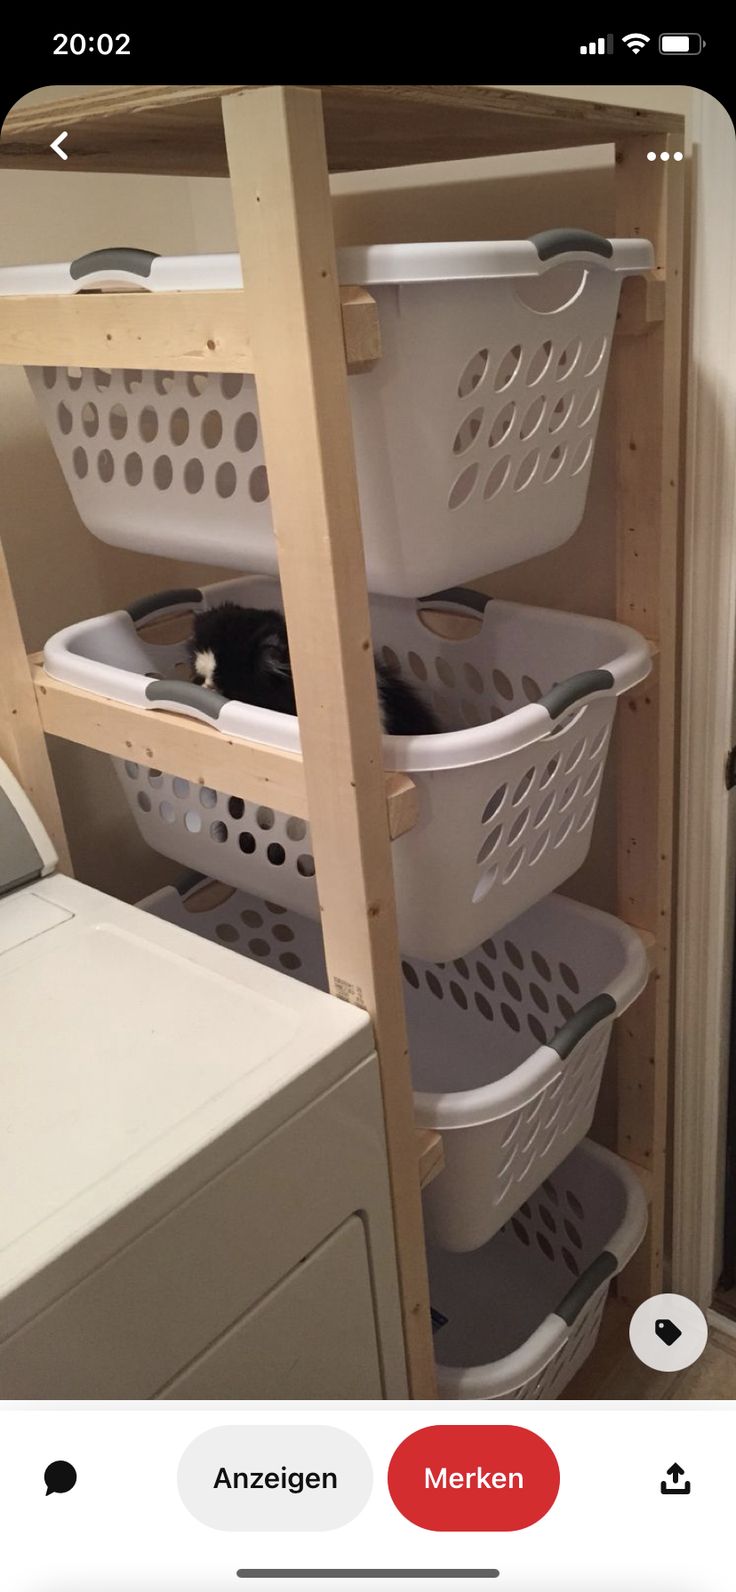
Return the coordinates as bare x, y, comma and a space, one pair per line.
602, 46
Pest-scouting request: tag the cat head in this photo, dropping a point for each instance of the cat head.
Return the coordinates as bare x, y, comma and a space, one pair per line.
244, 654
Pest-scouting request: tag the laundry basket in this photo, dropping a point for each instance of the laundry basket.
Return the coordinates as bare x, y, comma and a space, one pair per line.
507, 1045
474, 431
519, 1317
507, 793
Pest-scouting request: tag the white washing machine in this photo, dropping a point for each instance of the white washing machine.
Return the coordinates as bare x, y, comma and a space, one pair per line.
194, 1197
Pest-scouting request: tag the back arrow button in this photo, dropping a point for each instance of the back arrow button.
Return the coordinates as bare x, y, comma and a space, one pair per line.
56, 146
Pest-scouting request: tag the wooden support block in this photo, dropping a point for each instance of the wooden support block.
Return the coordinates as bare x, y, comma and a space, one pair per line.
276, 152
196, 331
22, 744
430, 1155
641, 305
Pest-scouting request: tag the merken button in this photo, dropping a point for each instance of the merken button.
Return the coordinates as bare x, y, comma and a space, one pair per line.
473, 1478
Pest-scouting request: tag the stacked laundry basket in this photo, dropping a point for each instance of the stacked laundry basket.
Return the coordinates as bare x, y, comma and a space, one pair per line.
474, 438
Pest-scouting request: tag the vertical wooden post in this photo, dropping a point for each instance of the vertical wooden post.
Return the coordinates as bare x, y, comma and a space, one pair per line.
22, 741
649, 203
278, 168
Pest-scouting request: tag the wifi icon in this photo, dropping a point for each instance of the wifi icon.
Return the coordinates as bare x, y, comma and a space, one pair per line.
636, 41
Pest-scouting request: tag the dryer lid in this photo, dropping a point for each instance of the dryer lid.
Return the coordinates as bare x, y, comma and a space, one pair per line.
26, 853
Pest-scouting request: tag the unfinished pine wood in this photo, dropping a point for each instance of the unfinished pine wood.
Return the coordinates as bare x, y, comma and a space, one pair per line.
649, 202
278, 168
430, 1155
178, 129
185, 746
22, 743
158, 331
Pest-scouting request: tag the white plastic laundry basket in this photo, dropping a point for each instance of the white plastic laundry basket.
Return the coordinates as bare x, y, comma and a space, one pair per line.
474, 432
507, 794
519, 1317
507, 1045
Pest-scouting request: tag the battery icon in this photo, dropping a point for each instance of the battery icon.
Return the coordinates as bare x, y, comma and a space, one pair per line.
680, 43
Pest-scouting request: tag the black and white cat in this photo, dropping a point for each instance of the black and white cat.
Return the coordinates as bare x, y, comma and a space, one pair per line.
244, 654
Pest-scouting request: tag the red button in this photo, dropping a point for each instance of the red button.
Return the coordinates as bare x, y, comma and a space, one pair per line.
473, 1478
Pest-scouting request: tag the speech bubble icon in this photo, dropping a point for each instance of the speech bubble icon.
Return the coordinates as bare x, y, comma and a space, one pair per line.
275, 1478
59, 1477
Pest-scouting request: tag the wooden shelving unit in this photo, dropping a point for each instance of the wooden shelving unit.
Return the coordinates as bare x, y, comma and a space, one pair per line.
300, 334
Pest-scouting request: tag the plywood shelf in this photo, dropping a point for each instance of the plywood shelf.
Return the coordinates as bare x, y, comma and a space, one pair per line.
195, 751
178, 130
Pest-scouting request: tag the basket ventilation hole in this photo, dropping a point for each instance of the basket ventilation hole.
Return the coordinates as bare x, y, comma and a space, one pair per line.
539, 363
492, 806
473, 373
167, 812
458, 995
163, 381
212, 428
193, 822
155, 776
276, 854
462, 967
513, 865
258, 484
196, 383
489, 844
573, 1234
49, 376
235, 806
586, 816
568, 359
180, 787
523, 787
554, 463
518, 827
102, 379
132, 379
588, 407
434, 985
503, 685
485, 883
148, 424
105, 465
445, 672
282, 932
514, 954
417, 665
218, 831
193, 476
545, 1245
226, 479
118, 421
80, 463
484, 1007
542, 966
265, 817
485, 975
569, 794
66, 419
463, 486
497, 478
259, 947
179, 427
549, 772
90, 419
512, 985
410, 974
571, 1262
539, 847
74, 378
548, 1219
574, 1204
290, 961
246, 842
133, 469
581, 456
526, 471
144, 801
163, 472
510, 1017
531, 689
251, 918
594, 356
468, 431
507, 368
566, 1010
536, 1028
390, 660
501, 425
520, 1230
246, 432
230, 384
296, 828
473, 678
563, 833
539, 997
227, 933
532, 419
305, 865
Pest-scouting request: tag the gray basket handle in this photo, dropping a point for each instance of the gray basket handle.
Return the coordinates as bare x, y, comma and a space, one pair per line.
578, 686
185, 694
604, 1266
457, 597
570, 1034
159, 601
570, 240
121, 262
188, 881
